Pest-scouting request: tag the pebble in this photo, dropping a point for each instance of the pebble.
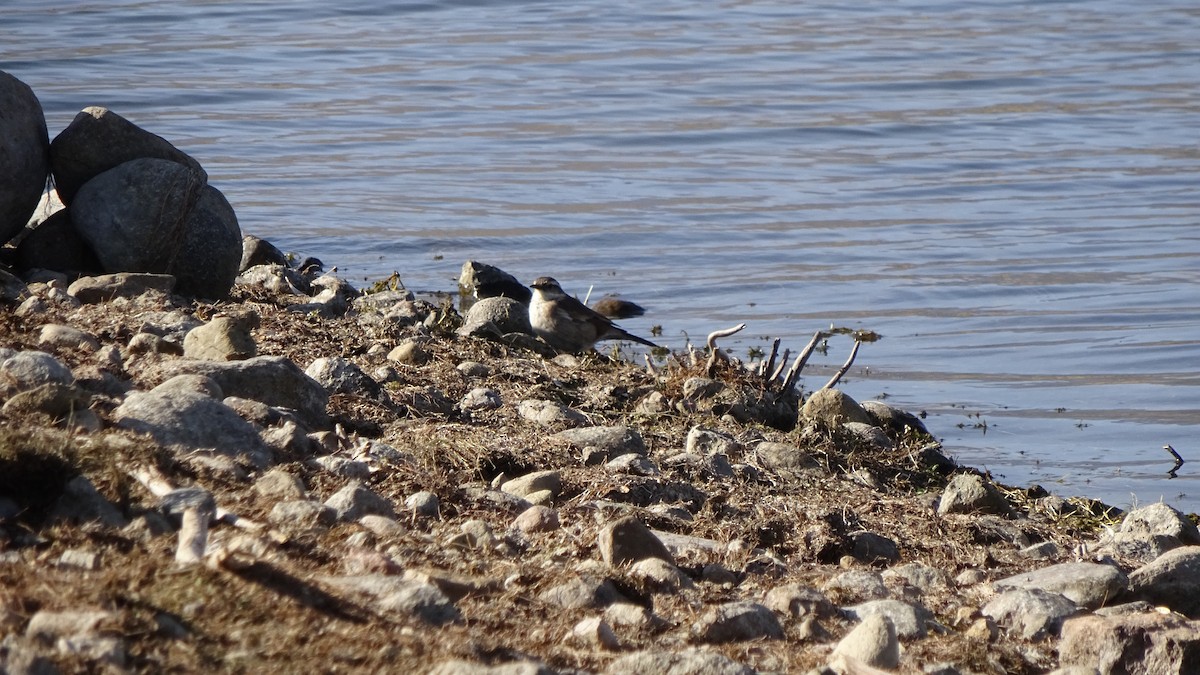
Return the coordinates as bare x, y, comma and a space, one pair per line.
423, 503
66, 338
278, 484
661, 575
737, 622
628, 540
528, 484
549, 413
874, 642
537, 518
355, 501
596, 631
1030, 613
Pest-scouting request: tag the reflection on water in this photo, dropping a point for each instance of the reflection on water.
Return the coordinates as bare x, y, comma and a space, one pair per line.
1006, 192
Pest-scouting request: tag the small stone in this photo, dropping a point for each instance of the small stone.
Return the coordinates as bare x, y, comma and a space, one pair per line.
606, 442
423, 503
1087, 584
79, 559
737, 622
1041, 551
534, 482
226, 337
834, 407
549, 413
473, 369
798, 601
29, 369
633, 464
627, 614
970, 493
596, 631
1172, 579
355, 501
346, 468
302, 514
970, 577
1030, 613
66, 338
715, 573
858, 585
537, 518
695, 388
409, 352
873, 548
381, 526
873, 642
278, 484
661, 575
627, 540
692, 661
581, 593
481, 398
909, 620
703, 441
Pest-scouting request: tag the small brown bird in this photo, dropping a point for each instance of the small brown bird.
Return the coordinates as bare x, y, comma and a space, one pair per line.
567, 324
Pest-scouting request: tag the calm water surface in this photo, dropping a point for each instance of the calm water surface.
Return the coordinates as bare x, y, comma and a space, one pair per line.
1006, 191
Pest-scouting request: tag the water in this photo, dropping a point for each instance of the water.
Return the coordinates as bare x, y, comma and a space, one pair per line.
1007, 192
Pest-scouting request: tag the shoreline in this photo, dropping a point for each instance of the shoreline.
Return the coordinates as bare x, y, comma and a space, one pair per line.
444, 501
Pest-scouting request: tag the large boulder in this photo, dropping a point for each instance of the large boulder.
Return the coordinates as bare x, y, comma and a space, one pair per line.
98, 140
24, 155
155, 215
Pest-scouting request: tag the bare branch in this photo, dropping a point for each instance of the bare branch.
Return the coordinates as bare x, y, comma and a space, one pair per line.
787, 353
798, 365
845, 366
769, 365
1178, 460
715, 353
158, 486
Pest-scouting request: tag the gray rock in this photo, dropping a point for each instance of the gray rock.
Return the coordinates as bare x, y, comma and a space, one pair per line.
873, 548
423, 503
870, 434
873, 642
693, 661
344, 467
256, 251
857, 584
188, 421
473, 369
1173, 579
206, 262
409, 352
134, 216
921, 577
52, 625
227, 337
633, 463
582, 593
909, 620
356, 500
303, 514
737, 622
401, 597
1030, 613
1045, 550
105, 287
25, 149
549, 413
701, 387
457, 667
594, 631
278, 484
606, 442
798, 602
381, 526
273, 380
1137, 644
784, 457
486, 281
537, 518
833, 407
191, 383
98, 140
29, 369
1160, 519
627, 540
66, 338
970, 493
537, 481
13, 290
481, 398
498, 316
342, 376
894, 420
64, 402
1088, 585
55, 244
706, 442
660, 575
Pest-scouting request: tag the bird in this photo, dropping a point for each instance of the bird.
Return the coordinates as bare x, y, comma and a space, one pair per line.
567, 324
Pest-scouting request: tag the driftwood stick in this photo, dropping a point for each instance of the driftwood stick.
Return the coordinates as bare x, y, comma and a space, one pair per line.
769, 364
845, 366
158, 486
715, 352
798, 365
1178, 460
787, 353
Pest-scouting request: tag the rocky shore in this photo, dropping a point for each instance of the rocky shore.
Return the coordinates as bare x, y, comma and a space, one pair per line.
302, 476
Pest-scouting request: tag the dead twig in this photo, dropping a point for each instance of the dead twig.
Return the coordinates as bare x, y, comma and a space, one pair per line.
1178, 461
769, 365
715, 354
798, 365
783, 361
158, 486
845, 366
